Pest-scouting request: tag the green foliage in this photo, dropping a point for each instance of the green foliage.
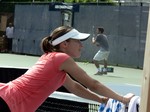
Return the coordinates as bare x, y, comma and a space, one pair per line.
67, 1
81, 1
15, 0
85, 1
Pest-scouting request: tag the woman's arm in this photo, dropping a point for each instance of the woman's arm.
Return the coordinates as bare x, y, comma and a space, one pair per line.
77, 89
81, 76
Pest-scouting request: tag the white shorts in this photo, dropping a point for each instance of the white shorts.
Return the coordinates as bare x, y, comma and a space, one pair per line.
101, 55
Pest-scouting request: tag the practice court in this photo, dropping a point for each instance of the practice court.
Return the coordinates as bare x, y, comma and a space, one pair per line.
123, 80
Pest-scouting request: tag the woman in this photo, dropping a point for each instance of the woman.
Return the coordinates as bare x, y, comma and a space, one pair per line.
29, 91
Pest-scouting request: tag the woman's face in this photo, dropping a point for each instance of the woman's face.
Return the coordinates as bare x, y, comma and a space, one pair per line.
73, 48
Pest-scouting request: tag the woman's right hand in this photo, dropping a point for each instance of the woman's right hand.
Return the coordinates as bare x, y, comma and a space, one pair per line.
126, 99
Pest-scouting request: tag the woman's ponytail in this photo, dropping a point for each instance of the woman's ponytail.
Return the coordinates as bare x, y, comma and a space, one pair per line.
46, 45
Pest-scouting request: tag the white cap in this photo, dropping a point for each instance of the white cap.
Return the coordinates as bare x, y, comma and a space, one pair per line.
73, 34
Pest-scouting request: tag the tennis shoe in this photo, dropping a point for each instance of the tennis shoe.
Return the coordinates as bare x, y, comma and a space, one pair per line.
105, 71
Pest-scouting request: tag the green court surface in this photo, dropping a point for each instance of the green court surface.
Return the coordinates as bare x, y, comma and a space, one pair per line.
122, 80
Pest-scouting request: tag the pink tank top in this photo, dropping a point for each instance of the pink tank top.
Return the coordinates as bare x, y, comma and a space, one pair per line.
28, 92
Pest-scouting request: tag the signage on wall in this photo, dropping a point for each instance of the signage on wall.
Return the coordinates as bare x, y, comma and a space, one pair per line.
63, 6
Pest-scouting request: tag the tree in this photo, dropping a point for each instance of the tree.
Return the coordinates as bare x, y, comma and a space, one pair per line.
67, 1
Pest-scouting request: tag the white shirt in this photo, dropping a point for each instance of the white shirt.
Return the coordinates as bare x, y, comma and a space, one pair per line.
10, 32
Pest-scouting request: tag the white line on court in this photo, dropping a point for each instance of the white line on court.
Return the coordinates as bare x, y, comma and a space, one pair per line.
133, 85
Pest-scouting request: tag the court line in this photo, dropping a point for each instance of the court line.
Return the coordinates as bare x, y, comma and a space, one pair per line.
133, 85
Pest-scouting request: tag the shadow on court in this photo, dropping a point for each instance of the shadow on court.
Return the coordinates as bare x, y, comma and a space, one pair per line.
114, 76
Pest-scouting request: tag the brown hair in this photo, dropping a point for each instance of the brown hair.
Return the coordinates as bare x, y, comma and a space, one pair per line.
46, 43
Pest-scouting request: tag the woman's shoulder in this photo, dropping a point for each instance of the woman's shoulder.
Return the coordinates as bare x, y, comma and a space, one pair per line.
55, 56
60, 57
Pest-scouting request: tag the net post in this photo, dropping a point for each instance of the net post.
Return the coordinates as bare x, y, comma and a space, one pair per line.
145, 93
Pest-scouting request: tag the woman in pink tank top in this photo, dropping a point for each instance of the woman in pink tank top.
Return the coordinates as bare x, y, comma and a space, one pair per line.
29, 91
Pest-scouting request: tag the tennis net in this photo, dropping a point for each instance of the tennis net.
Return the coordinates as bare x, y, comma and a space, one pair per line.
67, 102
